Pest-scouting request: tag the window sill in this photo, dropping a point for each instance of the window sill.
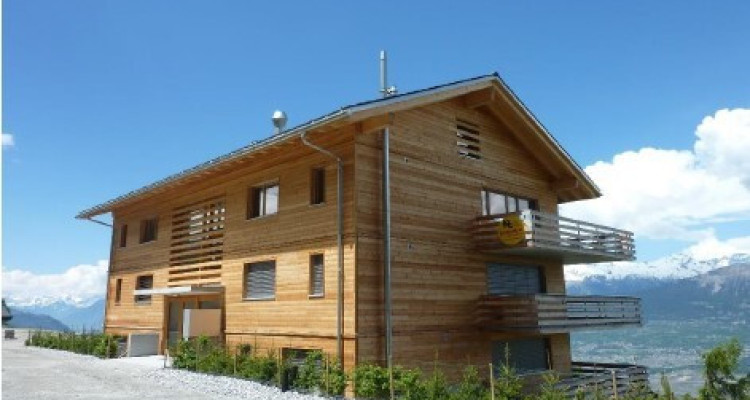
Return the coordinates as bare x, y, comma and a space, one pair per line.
142, 303
149, 242
258, 298
318, 205
316, 296
262, 217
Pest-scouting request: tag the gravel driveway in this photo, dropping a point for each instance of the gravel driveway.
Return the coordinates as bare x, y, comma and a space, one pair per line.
32, 373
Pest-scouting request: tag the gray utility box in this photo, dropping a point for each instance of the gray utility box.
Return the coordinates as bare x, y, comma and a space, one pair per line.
143, 344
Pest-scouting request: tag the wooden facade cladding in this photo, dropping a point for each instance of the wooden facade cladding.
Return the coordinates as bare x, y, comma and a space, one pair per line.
443, 155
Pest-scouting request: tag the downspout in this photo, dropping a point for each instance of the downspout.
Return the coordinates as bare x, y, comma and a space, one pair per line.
339, 242
387, 248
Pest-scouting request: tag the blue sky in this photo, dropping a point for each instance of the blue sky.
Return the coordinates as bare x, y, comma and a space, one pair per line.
102, 97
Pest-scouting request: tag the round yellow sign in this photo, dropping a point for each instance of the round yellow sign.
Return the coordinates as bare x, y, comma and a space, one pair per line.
511, 230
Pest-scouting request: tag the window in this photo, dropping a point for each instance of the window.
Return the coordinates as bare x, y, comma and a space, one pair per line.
123, 235
260, 280
118, 291
318, 186
263, 200
524, 355
317, 275
149, 228
494, 203
144, 282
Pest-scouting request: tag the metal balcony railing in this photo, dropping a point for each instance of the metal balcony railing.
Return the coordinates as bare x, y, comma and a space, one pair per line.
605, 377
552, 236
550, 313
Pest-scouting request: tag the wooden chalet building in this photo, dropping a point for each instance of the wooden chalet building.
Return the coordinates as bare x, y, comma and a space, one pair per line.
457, 186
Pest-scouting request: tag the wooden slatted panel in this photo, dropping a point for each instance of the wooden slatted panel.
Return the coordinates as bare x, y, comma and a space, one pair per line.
505, 279
260, 280
468, 140
197, 247
556, 313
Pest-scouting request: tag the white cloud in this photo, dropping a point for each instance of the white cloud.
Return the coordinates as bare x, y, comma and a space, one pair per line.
676, 194
77, 284
7, 140
711, 247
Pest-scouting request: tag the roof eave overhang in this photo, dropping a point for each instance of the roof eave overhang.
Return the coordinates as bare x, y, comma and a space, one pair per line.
585, 187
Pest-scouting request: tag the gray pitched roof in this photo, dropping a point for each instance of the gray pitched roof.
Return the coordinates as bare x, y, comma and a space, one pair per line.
341, 113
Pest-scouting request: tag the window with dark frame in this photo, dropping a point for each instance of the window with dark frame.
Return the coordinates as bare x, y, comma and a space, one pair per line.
317, 275
149, 227
118, 291
263, 200
494, 203
260, 280
318, 186
144, 282
123, 235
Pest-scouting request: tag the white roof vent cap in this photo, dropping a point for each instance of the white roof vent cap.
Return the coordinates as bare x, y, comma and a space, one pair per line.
279, 121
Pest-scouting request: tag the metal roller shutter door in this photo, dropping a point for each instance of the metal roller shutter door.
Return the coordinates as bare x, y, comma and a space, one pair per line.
504, 279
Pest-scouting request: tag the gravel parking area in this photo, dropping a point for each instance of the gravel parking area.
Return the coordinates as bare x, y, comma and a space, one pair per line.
35, 373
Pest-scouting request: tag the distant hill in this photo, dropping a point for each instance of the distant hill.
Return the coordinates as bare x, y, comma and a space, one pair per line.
22, 319
76, 316
722, 292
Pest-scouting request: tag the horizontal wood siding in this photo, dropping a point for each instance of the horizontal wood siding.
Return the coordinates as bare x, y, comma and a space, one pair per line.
289, 237
435, 195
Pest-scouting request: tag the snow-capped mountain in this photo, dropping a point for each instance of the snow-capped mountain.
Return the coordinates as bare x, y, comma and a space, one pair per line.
54, 302
73, 312
677, 266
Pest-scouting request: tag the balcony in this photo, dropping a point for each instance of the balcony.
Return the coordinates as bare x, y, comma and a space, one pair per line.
608, 378
551, 236
551, 313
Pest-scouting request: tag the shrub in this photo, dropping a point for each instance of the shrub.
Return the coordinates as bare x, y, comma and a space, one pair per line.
720, 365
97, 344
508, 384
371, 381
258, 368
436, 386
309, 374
550, 389
470, 387
184, 355
407, 384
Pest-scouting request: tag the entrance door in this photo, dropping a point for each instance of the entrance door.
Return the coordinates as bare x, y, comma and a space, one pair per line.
174, 322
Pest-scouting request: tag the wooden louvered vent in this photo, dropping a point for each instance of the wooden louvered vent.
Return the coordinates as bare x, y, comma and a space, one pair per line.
468, 140
197, 247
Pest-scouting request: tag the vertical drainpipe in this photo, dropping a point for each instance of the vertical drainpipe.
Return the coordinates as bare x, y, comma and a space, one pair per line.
339, 243
387, 248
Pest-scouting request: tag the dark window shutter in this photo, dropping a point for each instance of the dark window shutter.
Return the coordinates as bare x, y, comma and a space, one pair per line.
317, 275
260, 280
525, 355
503, 279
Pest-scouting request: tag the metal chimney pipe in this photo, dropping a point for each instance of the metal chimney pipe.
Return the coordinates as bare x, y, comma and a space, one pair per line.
383, 74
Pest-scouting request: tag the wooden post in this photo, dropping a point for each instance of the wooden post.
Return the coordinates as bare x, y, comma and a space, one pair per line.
390, 383
327, 388
614, 384
492, 382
